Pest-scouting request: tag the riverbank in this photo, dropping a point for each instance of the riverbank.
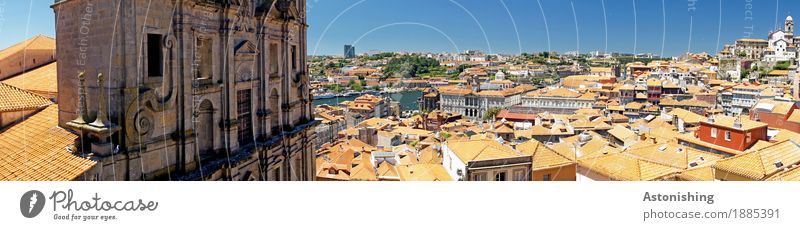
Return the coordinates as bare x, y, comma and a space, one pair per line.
407, 99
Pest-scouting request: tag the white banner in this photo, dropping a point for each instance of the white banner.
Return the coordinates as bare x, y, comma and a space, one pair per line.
407, 205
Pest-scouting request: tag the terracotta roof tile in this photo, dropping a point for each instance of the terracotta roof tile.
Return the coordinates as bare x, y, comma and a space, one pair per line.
544, 157
46, 158
627, 168
15, 99
760, 164
698, 174
41, 80
479, 150
423, 172
39, 42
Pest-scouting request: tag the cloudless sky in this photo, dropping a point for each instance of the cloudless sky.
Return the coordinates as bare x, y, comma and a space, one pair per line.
22, 19
630, 26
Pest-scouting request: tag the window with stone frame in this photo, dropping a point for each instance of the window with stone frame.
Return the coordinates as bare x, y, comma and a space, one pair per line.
478, 176
155, 56
294, 57
244, 111
204, 56
500, 176
273, 59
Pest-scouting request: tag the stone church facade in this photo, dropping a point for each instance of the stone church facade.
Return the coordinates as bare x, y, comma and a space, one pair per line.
192, 89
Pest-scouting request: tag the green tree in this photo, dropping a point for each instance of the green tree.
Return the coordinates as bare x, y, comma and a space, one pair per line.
446, 135
409, 66
783, 65
742, 54
491, 113
334, 87
356, 85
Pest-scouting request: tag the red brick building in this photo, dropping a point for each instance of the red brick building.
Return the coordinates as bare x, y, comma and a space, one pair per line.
776, 113
653, 91
737, 133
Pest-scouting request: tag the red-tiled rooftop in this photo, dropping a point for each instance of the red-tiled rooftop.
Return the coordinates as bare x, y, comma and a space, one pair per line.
508, 115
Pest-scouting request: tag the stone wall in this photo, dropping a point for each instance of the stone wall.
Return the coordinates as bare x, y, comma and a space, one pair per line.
177, 125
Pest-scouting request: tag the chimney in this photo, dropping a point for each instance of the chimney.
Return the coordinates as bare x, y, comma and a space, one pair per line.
738, 122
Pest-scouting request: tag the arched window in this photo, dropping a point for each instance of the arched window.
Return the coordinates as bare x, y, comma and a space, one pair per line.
205, 128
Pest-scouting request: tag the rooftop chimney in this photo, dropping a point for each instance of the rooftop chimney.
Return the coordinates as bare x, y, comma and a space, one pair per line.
737, 123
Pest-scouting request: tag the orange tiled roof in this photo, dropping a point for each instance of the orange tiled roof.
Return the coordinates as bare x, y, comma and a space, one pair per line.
758, 165
728, 122
46, 158
790, 175
543, 156
40, 80
15, 99
673, 155
423, 172
387, 170
480, 150
627, 168
38, 42
698, 174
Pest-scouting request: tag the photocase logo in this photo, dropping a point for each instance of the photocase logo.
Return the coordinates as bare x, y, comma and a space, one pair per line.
31, 203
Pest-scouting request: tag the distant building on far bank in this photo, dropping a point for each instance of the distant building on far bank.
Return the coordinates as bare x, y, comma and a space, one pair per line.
349, 51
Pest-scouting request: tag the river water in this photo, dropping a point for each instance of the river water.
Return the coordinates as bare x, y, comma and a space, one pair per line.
408, 100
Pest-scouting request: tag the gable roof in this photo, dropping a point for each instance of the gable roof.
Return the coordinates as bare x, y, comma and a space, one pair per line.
673, 155
38, 42
544, 157
423, 172
620, 166
687, 116
480, 150
621, 132
385, 169
760, 164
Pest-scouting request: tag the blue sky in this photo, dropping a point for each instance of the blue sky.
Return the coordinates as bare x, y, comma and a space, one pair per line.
451, 25
22, 19
412, 24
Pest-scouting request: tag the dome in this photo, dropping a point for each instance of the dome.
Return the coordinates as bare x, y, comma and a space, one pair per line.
789, 18
500, 75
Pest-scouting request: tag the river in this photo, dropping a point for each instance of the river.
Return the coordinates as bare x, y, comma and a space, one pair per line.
408, 100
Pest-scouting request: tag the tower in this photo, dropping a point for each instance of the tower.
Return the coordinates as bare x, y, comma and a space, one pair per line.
202, 90
349, 51
789, 25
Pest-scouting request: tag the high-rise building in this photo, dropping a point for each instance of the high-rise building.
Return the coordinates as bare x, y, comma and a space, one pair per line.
349, 51
192, 89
